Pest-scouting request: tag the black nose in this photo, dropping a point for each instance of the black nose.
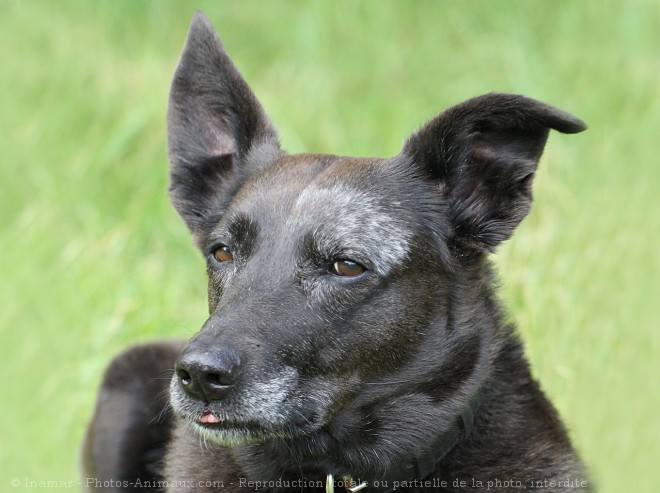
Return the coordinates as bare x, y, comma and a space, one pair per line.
208, 374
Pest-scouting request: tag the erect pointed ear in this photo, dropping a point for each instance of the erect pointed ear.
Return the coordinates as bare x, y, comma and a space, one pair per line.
213, 122
482, 154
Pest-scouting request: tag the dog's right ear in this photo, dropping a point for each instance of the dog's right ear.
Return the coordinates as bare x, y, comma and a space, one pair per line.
213, 122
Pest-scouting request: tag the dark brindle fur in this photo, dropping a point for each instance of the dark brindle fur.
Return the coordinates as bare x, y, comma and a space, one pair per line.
352, 321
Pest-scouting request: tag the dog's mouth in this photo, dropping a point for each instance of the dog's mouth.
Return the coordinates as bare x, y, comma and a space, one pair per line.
226, 431
209, 419
232, 425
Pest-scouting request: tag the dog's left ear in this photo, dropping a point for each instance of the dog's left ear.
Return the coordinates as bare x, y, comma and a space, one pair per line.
482, 154
213, 122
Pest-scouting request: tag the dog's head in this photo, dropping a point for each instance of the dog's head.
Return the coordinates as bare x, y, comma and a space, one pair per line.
342, 291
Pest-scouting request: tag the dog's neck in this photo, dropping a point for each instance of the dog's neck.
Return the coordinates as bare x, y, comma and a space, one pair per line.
420, 467
310, 459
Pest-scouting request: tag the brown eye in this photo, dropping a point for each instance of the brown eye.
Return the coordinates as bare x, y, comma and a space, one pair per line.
223, 254
346, 268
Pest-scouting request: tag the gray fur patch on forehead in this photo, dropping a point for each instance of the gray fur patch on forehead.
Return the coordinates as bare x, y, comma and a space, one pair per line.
343, 218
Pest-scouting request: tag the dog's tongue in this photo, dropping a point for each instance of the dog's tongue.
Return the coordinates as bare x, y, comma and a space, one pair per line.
209, 418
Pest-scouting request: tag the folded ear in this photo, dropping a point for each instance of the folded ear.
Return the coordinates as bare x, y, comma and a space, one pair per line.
213, 122
483, 154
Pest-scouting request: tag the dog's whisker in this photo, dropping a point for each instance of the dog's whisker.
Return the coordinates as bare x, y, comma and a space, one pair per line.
162, 415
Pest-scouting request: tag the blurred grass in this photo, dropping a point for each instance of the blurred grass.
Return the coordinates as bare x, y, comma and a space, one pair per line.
94, 258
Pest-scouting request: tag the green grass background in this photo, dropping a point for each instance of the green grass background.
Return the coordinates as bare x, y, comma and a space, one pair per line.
94, 258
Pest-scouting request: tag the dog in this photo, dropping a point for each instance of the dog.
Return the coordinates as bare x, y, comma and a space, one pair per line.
355, 341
